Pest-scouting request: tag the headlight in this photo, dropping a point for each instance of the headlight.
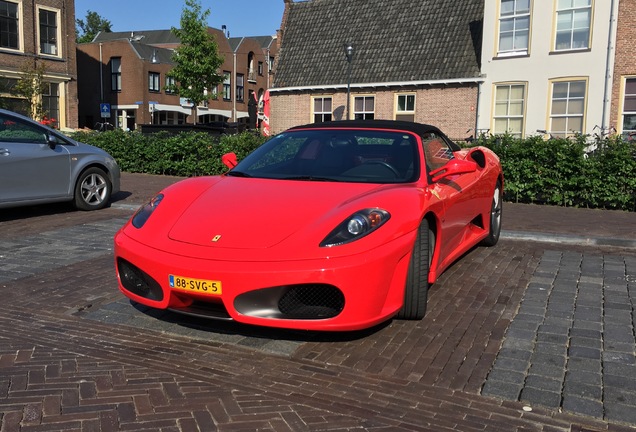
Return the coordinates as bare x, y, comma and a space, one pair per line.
142, 215
356, 226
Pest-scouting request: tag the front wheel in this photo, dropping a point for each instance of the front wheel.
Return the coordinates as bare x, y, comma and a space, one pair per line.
416, 289
92, 190
495, 217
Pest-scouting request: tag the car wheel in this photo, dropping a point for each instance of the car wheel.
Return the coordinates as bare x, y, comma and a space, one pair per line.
92, 190
416, 289
495, 217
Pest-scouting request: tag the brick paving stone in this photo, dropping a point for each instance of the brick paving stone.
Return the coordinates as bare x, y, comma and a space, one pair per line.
145, 369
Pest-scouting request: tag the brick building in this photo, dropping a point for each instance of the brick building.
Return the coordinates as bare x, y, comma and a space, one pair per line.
128, 71
411, 61
623, 113
40, 34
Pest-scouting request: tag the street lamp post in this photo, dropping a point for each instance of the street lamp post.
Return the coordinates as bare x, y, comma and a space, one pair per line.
349, 53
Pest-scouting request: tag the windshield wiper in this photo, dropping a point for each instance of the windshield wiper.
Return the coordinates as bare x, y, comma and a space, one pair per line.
311, 178
234, 173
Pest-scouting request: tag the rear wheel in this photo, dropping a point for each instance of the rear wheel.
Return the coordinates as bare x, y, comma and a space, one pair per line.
416, 289
92, 190
495, 217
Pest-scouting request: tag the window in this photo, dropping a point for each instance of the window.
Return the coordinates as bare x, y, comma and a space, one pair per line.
9, 25
260, 68
405, 108
240, 78
514, 26
48, 32
170, 118
573, 24
170, 85
568, 108
227, 86
322, 109
509, 109
436, 151
51, 102
363, 107
270, 64
153, 81
115, 74
629, 106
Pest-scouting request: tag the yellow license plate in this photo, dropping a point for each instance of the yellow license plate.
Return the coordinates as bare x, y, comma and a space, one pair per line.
195, 285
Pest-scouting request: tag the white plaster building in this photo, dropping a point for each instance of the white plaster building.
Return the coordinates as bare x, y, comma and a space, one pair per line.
547, 65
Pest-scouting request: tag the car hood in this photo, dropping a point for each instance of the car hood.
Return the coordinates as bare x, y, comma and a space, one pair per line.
245, 213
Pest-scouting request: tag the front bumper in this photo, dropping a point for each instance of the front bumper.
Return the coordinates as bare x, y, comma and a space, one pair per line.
345, 293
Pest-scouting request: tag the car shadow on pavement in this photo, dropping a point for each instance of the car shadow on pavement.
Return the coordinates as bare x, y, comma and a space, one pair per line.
176, 323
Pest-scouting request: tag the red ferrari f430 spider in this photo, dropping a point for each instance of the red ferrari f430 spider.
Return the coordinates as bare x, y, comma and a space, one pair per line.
327, 226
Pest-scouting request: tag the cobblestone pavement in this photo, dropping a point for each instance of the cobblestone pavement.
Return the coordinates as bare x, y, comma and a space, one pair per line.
522, 336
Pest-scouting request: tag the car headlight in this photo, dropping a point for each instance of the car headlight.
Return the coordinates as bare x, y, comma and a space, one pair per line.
142, 215
356, 226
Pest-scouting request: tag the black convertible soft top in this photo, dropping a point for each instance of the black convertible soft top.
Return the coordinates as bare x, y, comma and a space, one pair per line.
420, 129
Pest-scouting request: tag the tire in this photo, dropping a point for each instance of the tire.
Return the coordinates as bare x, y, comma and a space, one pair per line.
495, 217
92, 190
416, 288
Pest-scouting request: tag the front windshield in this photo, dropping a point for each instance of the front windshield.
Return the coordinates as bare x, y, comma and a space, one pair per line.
364, 156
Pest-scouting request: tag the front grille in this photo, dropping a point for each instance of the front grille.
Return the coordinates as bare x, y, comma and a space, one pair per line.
137, 281
316, 301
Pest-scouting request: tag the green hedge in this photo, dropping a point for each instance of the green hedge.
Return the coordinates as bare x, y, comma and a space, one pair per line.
186, 154
567, 172
556, 171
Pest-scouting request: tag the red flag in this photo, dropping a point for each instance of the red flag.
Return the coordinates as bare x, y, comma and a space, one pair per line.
265, 123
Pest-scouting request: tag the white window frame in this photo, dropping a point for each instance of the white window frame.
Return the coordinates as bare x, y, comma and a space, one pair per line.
516, 17
154, 81
572, 8
321, 113
227, 86
406, 111
20, 47
622, 111
568, 132
509, 101
364, 113
58, 31
115, 75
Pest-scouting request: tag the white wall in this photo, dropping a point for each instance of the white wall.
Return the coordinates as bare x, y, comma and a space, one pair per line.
542, 64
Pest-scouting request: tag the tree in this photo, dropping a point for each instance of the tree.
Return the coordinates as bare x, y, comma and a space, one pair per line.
197, 60
31, 86
87, 30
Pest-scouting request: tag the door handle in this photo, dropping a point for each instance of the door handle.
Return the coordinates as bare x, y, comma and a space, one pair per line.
4, 152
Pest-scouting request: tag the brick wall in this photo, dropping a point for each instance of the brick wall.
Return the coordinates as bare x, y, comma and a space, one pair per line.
451, 108
625, 60
61, 69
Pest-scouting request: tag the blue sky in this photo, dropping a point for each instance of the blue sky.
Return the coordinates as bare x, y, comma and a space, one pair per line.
242, 17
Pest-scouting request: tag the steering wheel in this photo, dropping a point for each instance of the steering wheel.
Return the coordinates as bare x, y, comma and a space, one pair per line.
384, 164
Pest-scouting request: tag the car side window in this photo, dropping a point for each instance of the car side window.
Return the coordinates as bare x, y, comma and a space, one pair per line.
14, 130
436, 151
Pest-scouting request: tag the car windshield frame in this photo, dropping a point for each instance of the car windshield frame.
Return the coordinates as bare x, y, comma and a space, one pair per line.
336, 155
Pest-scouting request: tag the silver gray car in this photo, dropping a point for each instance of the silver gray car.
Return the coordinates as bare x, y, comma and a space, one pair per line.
40, 165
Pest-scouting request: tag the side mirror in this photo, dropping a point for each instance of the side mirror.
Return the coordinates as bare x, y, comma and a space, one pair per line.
229, 159
454, 167
51, 140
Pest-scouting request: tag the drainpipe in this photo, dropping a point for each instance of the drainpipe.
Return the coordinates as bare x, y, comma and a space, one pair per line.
608, 71
234, 89
101, 75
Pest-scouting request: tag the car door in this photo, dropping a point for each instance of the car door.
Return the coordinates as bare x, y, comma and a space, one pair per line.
31, 169
456, 192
